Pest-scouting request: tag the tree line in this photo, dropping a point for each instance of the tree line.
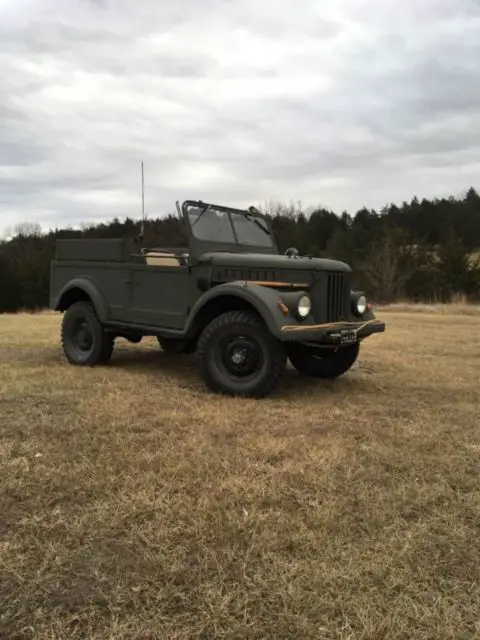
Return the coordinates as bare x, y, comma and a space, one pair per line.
423, 251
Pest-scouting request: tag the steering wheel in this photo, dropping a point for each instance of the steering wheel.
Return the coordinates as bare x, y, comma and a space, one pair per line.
292, 252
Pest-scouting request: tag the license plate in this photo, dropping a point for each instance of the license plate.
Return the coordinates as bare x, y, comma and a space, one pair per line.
347, 336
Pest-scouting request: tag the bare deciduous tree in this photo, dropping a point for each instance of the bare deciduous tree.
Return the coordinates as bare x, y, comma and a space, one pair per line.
27, 229
390, 263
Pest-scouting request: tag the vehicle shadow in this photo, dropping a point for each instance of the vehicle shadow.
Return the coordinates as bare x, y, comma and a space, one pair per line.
183, 371
296, 385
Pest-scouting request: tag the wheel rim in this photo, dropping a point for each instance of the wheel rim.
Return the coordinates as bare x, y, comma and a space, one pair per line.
240, 357
82, 336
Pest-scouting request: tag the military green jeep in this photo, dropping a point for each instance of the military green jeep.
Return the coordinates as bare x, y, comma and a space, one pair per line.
229, 296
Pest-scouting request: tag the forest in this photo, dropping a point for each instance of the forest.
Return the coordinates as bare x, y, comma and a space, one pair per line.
422, 251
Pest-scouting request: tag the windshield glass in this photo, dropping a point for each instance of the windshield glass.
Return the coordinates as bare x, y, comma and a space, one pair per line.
217, 225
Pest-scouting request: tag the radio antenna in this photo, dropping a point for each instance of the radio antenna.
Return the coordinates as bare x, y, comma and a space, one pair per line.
143, 205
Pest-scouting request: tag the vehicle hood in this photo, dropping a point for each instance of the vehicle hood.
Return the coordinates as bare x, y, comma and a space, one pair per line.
272, 261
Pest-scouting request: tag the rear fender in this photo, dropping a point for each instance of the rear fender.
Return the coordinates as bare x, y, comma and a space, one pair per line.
89, 288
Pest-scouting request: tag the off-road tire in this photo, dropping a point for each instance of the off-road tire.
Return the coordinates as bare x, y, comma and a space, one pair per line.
102, 343
322, 363
267, 355
172, 346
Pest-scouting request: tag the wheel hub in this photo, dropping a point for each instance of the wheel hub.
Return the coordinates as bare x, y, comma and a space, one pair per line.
83, 337
240, 356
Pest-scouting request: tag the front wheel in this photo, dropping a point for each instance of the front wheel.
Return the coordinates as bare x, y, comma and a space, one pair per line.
322, 363
84, 340
239, 356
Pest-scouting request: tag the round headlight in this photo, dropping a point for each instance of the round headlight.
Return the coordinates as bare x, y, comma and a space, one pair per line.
304, 306
361, 305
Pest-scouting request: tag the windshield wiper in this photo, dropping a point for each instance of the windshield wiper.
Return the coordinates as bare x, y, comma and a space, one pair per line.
204, 210
253, 218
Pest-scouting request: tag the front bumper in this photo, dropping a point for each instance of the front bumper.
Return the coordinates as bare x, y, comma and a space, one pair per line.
334, 334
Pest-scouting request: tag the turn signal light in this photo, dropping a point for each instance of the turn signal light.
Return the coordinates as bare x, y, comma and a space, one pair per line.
283, 308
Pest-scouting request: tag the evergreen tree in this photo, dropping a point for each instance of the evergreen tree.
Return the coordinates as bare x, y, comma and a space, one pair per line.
421, 249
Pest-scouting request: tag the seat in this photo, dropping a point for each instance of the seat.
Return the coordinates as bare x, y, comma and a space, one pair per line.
162, 259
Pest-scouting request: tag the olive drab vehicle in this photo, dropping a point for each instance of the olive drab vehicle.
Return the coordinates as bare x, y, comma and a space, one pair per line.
229, 296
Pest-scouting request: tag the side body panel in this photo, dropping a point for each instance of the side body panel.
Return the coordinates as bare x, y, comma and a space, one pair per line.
126, 292
158, 296
105, 282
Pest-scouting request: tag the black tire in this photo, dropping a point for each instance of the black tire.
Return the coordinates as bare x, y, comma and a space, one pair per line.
84, 340
322, 363
260, 358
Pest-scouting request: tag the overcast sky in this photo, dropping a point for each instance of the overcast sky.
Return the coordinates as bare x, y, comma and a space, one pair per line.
340, 103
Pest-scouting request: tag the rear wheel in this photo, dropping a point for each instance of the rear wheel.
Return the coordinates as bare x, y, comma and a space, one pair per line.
239, 356
84, 340
322, 363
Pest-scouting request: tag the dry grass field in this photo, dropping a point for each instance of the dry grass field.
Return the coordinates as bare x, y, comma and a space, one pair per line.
135, 505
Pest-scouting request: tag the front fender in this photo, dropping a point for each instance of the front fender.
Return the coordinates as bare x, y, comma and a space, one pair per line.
264, 300
91, 289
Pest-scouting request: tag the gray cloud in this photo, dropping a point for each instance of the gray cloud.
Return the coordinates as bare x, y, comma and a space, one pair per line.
343, 103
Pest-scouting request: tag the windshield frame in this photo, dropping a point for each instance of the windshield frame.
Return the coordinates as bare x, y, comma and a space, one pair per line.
205, 245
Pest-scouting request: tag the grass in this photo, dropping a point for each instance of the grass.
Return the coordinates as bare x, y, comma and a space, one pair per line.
135, 505
451, 308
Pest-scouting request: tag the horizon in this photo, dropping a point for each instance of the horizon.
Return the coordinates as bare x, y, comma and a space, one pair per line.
306, 210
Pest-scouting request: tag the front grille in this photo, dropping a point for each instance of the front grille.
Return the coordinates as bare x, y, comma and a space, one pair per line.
338, 297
